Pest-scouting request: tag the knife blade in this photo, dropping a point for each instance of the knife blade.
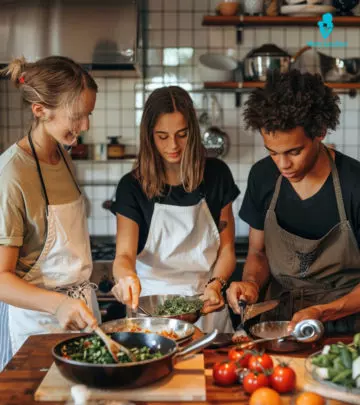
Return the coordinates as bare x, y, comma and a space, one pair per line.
253, 310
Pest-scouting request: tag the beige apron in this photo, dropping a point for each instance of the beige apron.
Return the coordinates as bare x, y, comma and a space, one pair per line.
178, 258
308, 272
64, 265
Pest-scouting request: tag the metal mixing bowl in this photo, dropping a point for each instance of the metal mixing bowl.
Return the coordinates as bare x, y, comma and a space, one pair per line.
151, 302
277, 329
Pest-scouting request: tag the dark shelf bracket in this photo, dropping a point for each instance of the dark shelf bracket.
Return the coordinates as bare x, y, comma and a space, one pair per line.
239, 34
238, 99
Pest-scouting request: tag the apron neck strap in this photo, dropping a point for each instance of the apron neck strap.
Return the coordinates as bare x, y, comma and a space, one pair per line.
67, 166
38, 170
40, 173
337, 187
276, 193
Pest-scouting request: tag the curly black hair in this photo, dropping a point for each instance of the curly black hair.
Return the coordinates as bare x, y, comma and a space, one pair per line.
293, 99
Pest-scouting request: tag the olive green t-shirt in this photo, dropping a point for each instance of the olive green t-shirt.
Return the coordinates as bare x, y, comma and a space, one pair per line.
22, 203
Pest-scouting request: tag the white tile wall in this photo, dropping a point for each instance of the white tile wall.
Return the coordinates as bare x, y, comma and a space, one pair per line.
175, 40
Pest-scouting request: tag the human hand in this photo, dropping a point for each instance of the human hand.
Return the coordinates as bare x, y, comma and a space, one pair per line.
306, 313
212, 298
242, 290
74, 314
127, 290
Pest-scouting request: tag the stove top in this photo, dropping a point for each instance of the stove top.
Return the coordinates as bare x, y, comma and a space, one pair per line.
103, 251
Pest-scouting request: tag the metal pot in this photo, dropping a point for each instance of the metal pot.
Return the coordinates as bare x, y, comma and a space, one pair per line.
339, 70
267, 58
134, 374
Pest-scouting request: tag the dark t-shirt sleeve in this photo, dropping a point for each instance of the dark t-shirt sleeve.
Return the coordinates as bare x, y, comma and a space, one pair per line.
127, 199
230, 189
220, 183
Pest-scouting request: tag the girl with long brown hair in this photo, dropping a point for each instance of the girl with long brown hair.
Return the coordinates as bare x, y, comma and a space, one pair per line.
45, 259
175, 225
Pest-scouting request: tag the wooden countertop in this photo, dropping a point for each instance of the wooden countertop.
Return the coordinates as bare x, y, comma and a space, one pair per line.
22, 376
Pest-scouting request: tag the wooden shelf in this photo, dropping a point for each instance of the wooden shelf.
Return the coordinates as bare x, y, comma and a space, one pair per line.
248, 21
253, 85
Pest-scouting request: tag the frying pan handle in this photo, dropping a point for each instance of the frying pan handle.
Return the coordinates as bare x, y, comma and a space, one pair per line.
197, 345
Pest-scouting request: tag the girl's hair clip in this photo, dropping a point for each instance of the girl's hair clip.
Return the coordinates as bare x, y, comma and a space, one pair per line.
21, 80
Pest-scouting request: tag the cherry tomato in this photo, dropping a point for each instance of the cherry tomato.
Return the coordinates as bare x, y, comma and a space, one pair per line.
254, 381
225, 373
239, 356
260, 362
265, 396
283, 378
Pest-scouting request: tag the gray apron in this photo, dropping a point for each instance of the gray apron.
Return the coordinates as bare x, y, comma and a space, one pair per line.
306, 272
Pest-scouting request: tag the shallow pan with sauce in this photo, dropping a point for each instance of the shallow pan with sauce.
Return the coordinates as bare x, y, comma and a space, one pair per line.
175, 329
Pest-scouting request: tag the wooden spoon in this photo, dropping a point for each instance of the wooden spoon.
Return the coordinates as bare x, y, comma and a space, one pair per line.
114, 347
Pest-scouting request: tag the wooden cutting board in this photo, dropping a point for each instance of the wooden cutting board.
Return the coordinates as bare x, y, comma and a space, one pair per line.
186, 383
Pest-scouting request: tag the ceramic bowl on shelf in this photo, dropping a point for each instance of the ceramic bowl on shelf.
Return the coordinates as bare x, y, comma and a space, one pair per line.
228, 8
306, 10
217, 68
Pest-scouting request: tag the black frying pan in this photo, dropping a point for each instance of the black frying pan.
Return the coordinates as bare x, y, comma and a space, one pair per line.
129, 374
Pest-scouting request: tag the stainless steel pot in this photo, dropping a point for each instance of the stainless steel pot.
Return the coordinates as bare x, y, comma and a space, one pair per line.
268, 57
339, 70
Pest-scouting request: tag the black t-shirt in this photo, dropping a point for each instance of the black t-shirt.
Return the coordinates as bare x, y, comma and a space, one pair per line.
311, 218
218, 187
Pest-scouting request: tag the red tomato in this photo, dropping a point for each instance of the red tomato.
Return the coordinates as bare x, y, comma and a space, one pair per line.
225, 373
254, 380
239, 356
260, 362
283, 378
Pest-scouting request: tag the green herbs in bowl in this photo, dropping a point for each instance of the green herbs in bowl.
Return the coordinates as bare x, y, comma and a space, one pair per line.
178, 306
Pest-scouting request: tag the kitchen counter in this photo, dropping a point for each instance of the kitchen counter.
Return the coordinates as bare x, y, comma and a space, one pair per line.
22, 376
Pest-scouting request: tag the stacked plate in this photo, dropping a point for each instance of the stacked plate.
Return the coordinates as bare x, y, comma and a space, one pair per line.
309, 8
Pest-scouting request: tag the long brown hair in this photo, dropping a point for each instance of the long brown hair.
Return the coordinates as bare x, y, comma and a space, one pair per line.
53, 82
149, 167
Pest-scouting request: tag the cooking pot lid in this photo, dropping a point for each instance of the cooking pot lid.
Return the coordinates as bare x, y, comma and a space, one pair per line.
267, 50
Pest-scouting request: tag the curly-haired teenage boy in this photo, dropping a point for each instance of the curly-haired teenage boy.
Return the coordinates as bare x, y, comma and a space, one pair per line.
302, 204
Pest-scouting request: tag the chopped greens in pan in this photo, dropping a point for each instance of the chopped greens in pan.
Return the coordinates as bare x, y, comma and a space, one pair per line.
178, 306
93, 350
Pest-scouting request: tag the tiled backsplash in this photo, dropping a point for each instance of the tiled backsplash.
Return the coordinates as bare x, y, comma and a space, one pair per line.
175, 39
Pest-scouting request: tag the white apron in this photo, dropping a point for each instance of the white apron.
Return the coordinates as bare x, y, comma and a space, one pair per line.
179, 255
64, 265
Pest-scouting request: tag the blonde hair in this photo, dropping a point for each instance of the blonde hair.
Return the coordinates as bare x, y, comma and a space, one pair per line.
149, 167
53, 82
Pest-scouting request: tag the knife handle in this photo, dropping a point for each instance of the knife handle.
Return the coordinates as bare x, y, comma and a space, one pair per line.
242, 304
